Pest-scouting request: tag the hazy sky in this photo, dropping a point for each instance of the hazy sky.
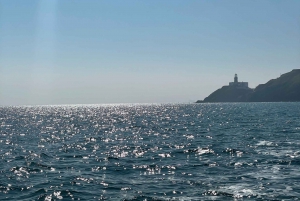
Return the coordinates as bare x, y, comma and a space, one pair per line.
155, 51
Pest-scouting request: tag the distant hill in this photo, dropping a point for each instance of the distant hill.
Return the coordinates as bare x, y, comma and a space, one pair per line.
283, 89
229, 94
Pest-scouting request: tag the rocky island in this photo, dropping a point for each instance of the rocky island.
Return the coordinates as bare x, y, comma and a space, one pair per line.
286, 88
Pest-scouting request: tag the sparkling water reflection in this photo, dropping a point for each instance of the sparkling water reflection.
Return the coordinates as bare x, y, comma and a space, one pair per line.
247, 151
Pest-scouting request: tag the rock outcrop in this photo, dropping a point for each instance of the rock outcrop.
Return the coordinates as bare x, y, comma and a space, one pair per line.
283, 89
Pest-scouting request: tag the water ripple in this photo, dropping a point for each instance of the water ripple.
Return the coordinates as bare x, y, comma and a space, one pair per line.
150, 152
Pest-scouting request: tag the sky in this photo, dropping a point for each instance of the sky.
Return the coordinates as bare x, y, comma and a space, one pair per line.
155, 51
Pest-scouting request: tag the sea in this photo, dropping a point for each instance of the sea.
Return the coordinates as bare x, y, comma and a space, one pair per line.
210, 151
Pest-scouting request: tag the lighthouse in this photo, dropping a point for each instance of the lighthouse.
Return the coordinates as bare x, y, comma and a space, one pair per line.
238, 84
236, 78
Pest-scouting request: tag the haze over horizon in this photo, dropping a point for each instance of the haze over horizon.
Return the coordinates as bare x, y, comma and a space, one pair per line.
93, 52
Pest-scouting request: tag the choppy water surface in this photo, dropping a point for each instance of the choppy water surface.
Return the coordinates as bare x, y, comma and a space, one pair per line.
245, 151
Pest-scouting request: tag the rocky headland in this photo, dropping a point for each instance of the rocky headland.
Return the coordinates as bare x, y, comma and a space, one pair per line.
286, 88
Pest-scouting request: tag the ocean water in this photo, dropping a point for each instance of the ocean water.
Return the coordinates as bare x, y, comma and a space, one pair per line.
222, 151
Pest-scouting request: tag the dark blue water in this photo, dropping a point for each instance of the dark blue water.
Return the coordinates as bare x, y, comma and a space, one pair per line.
241, 151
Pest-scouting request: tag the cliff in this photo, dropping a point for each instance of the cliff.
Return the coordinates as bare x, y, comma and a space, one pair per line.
285, 88
229, 94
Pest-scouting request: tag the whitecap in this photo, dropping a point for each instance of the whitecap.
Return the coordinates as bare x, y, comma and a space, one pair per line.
265, 143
